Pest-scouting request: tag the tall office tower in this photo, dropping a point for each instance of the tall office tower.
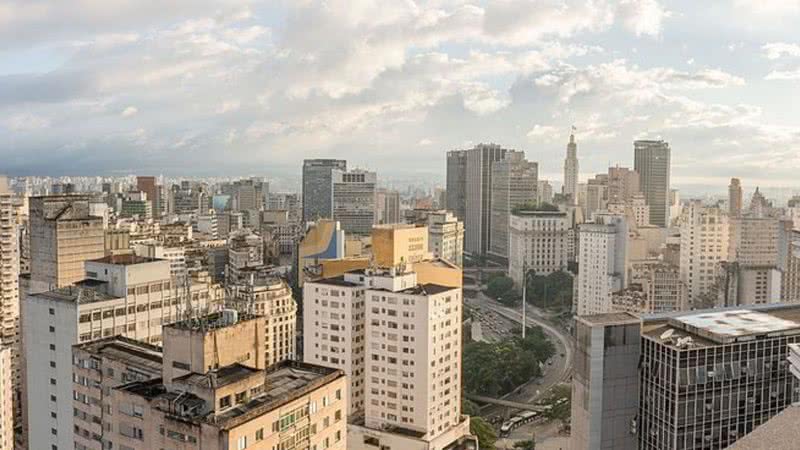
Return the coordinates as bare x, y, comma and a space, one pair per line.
98, 367
596, 195
544, 192
705, 237
606, 382
654, 287
250, 195
63, 236
457, 183
623, 184
354, 200
538, 243
404, 334
149, 187
10, 388
387, 206
571, 171
270, 298
8, 397
652, 162
735, 198
602, 262
217, 392
446, 237
514, 184
479, 171
122, 295
317, 187
708, 378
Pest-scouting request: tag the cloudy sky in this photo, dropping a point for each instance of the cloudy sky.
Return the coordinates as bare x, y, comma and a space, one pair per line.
200, 87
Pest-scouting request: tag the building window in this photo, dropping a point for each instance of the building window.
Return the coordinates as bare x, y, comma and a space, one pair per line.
242, 442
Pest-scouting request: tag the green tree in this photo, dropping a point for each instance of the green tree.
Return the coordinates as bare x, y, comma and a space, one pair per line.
553, 290
485, 433
530, 444
499, 287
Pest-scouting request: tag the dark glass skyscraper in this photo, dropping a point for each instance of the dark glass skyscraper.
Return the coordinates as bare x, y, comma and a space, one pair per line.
652, 162
318, 187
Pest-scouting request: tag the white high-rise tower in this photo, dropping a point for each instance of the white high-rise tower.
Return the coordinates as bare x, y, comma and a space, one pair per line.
570, 187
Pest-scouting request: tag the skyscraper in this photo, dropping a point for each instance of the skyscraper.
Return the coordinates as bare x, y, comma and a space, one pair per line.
571, 169
705, 235
149, 187
514, 183
735, 198
354, 199
9, 313
456, 191
652, 162
602, 261
479, 172
317, 187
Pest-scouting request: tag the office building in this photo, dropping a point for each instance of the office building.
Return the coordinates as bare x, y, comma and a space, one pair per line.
514, 183
538, 243
446, 237
735, 198
122, 295
456, 188
387, 204
149, 186
652, 163
596, 199
544, 192
98, 367
571, 171
317, 187
354, 200
623, 184
250, 195
216, 393
602, 262
270, 298
605, 382
478, 194
63, 236
393, 245
708, 378
705, 237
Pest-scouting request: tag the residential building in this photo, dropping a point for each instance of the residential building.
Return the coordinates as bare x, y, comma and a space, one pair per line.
571, 171
9, 403
514, 183
708, 378
538, 242
97, 368
217, 393
456, 188
149, 186
9, 311
654, 287
387, 204
705, 242
478, 194
354, 200
735, 198
602, 263
446, 237
175, 254
605, 382
652, 163
270, 298
318, 187
544, 192
62, 237
623, 184
122, 295
596, 195
250, 195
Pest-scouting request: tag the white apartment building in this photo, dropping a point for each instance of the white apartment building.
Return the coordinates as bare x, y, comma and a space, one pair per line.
7, 393
9, 281
176, 255
272, 299
705, 243
407, 354
602, 263
539, 241
446, 237
122, 295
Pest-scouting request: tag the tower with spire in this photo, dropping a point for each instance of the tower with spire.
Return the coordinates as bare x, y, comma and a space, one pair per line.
570, 188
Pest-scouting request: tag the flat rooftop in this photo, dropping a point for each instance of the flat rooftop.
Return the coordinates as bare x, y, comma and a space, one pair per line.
222, 377
427, 289
76, 293
778, 433
130, 351
617, 318
335, 281
725, 326
211, 321
123, 260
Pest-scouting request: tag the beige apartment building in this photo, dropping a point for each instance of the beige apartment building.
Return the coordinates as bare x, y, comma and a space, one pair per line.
63, 236
217, 393
705, 240
270, 297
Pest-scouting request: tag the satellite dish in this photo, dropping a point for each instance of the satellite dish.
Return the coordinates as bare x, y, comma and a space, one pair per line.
667, 334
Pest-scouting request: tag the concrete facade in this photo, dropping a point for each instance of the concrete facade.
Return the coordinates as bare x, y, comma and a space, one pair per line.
514, 184
602, 263
318, 187
538, 243
652, 162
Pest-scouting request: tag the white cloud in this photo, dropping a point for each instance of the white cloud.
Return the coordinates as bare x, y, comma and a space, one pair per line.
24, 122
783, 75
643, 17
130, 111
776, 50
424, 142
769, 7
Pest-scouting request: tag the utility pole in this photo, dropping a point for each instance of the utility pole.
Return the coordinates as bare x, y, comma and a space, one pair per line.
524, 298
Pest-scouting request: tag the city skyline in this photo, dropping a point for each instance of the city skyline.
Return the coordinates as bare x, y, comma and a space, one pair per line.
233, 85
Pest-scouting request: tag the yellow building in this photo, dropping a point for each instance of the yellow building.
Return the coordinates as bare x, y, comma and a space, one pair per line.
399, 243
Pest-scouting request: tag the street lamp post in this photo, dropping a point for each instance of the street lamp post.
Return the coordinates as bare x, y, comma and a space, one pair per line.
524, 298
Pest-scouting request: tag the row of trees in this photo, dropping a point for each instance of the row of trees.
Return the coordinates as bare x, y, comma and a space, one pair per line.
495, 369
553, 290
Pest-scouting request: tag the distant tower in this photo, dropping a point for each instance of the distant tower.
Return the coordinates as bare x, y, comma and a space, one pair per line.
570, 187
735, 198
